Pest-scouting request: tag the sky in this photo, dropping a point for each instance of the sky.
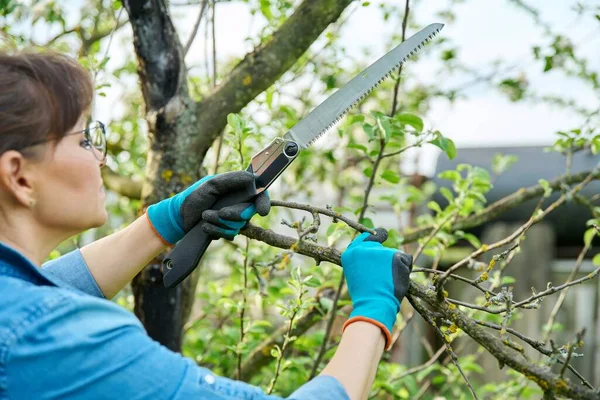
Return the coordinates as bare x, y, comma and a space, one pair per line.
484, 30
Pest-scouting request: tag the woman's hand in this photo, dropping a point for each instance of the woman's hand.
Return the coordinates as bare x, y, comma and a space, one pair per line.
172, 218
377, 278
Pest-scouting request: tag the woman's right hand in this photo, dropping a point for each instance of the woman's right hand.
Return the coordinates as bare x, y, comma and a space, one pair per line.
378, 278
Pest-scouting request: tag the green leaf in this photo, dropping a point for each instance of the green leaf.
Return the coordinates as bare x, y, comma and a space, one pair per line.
507, 280
501, 162
546, 186
368, 172
447, 194
367, 222
390, 176
432, 205
588, 236
471, 366
356, 118
469, 237
477, 196
548, 64
311, 282
412, 120
450, 174
596, 144
596, 259
445, 144
385, 128
358, 147
370, 131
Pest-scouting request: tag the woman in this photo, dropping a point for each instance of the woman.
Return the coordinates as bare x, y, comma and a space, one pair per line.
59, 335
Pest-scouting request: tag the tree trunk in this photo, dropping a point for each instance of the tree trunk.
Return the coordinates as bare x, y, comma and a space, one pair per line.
181, 131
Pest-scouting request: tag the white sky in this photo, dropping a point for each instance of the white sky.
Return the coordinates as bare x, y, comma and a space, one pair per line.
485, 30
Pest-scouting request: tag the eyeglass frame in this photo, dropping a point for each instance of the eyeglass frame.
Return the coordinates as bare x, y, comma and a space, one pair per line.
94, 124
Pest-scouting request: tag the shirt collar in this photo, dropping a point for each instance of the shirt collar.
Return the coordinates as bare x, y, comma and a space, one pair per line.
16, 265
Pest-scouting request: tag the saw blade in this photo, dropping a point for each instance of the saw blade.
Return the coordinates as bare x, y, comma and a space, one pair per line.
332, 109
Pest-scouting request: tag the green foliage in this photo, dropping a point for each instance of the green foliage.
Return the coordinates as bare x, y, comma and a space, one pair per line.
248, 291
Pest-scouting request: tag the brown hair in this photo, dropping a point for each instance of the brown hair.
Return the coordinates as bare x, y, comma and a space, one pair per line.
42, 96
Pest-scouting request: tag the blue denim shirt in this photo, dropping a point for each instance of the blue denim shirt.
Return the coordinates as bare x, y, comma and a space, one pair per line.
59, 338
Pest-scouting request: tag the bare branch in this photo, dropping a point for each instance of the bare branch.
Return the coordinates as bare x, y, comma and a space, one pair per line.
324, 211
427, 315
195, 29
502, 205
494, 345
533, 220
259, 69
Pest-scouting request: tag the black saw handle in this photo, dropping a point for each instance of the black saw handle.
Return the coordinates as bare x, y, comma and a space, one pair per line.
266, 166
184, 258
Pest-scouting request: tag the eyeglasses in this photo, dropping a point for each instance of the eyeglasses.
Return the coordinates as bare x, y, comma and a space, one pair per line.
95, 135
95, 139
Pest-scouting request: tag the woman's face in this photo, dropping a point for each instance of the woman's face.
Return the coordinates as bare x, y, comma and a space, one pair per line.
69, 192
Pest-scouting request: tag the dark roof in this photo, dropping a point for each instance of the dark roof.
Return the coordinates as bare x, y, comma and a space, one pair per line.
533, 164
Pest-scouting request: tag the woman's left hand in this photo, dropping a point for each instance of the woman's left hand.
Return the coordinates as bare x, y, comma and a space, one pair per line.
172, 218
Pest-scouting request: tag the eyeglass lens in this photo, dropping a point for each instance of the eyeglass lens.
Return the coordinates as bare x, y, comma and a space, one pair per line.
97, 137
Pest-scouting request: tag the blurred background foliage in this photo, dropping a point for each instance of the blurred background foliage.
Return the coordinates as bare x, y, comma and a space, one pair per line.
247, 288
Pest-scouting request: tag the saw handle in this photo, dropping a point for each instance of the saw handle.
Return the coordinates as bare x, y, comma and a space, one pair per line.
186, 255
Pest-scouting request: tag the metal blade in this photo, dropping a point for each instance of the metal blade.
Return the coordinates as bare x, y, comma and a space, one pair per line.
330, 111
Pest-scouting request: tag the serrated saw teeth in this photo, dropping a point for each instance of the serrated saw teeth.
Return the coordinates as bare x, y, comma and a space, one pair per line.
306, 131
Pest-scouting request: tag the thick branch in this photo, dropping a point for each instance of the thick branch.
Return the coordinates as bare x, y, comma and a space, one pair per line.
493, 344
121, 185
259, 69
543, 377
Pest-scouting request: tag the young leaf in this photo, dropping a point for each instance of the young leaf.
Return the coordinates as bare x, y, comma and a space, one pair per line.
357, 146
469, 237
588, 236
447, 194
390, 176
546, 186
434, 206
445, 144
412, 120
367, 222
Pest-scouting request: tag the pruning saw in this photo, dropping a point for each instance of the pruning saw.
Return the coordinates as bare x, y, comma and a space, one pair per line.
270, 162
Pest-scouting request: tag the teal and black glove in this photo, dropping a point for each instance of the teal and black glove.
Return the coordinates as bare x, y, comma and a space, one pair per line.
378, 279
172, 218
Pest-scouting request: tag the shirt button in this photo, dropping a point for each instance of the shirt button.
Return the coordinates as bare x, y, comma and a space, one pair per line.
209, 379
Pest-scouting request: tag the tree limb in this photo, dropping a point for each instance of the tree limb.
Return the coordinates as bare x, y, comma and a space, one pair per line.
547, 380
196, 26
259, 69
500, 206
121, 185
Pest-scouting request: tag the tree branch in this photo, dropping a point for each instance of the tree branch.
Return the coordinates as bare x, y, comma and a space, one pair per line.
121, 185
494, 345
259, 69
500, 206
543, 377
195, 29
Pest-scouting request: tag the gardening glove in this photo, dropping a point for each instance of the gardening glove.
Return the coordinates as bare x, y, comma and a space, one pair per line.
377, 278
172, 218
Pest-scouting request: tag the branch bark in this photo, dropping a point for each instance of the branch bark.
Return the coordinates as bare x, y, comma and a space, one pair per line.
171, 117
181, 130
259, 69
119, 184
500, 206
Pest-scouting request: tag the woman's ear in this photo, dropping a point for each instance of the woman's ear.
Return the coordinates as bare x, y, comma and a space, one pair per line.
16, 177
